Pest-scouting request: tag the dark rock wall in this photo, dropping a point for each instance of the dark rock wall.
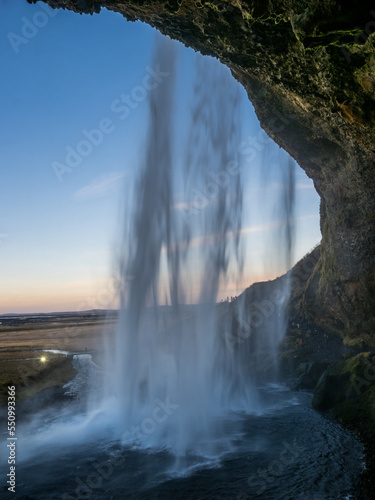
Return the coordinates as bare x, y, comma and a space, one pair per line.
309, 70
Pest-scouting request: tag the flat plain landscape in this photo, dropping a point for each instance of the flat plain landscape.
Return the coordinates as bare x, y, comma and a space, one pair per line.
36, 350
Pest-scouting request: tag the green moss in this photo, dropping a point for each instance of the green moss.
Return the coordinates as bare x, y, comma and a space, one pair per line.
359, 339
329, 269
340, 38
353, 376
211, 5
354, 365
348, 389
359, 413
272, 18
370, 217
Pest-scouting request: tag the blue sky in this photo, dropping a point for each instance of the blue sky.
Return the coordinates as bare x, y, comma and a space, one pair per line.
62, 72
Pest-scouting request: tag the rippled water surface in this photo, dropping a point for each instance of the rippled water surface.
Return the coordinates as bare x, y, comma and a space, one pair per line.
287, 452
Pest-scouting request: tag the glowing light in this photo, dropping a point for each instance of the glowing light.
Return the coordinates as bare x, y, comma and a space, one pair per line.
43, 359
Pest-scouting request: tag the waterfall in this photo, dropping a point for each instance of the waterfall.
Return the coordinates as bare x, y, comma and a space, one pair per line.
171, 373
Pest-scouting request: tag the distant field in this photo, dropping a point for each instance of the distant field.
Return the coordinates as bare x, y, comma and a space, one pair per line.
22, 338
66, 331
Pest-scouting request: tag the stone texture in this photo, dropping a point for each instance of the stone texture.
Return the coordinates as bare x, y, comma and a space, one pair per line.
348, 389
309, 70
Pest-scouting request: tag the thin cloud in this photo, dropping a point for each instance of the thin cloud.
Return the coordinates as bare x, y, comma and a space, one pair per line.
99, 187
193, 204
307, 216
183, 205
210, 239
304, 185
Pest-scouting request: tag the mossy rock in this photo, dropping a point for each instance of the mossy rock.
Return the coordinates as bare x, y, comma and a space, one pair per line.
309, 375
348, 388
330, 390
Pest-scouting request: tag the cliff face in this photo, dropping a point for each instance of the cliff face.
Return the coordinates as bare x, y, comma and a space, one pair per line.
309, 69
